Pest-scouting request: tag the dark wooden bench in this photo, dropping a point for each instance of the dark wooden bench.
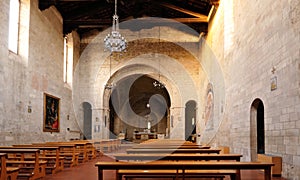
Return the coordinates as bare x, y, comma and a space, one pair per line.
217, 174
176, 157
90, 148
3, 157
29, 169
182, 167
172, 151
55, 162
67, 151
12, 173
166, 146
7, 173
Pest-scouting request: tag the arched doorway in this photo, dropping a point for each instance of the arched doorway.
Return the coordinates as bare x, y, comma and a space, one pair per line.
257, 129
136, 107
87, 120
190, 121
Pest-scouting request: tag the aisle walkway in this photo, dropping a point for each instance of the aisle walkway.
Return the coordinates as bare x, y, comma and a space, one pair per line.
88, 171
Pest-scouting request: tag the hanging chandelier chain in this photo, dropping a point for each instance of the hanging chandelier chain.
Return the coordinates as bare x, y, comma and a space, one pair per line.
114, 41
116, 7
158, 84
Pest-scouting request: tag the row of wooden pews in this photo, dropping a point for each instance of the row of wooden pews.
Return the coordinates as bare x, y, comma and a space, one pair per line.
34, 161
106, 145
16, 159
160, 158
7, 172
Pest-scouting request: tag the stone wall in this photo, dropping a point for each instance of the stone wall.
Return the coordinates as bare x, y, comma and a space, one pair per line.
35, 70
249, 43
256, 41
179, 67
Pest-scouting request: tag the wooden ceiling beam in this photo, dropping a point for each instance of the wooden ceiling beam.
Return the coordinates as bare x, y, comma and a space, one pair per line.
86, 10
198, 15
190, 20
106, 22
80, 0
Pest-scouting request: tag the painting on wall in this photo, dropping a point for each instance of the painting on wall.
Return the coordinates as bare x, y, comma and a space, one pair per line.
209, 107
51, 113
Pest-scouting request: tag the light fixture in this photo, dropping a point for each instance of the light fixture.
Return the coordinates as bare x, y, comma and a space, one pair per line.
158, 84
114, 41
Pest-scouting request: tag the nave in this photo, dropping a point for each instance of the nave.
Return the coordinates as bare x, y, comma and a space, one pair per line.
88, 171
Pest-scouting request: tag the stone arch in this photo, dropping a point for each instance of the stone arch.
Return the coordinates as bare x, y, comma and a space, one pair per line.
92, 73
134, 102
257, 131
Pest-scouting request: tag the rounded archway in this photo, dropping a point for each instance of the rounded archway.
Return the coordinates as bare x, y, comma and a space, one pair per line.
138, 109
257, 129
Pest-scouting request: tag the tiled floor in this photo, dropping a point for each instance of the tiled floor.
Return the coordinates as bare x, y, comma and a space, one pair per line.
88, 171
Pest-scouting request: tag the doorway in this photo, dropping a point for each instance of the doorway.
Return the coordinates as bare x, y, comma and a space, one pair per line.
87, 120
190, 121
257, 129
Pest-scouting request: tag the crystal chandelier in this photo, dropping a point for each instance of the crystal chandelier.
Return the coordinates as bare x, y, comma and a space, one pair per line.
158, 84
114, 41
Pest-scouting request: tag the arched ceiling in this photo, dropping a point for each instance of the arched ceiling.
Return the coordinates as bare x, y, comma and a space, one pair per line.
85, 15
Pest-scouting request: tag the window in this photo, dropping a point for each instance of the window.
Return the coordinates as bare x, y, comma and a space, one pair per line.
14, 17
68, 59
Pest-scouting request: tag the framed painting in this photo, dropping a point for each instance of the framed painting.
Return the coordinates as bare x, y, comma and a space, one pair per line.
51, 113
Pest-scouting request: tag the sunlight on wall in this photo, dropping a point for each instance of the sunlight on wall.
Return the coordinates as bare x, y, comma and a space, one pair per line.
14, 16
19, 30
68, 59
24, 30
228, 25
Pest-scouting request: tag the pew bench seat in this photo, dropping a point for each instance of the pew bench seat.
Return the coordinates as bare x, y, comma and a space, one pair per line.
27, 168
12, 172
52, 166
216, 174
183, 166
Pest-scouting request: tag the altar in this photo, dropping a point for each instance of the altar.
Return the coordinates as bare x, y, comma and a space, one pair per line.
144, 135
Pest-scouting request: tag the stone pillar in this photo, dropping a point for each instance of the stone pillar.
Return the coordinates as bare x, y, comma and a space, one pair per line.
96, 123
100, 123
177, 125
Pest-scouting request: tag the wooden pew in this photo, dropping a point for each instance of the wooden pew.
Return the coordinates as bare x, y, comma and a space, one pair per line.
176, 157
168, 142
166, 146
90, 148
3, 157
31, 169
6, 173
182, 168
55, 162
65, 150
79, 148
107, 145
172, 151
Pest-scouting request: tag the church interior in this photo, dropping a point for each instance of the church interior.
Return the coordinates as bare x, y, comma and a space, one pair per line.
214, 73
